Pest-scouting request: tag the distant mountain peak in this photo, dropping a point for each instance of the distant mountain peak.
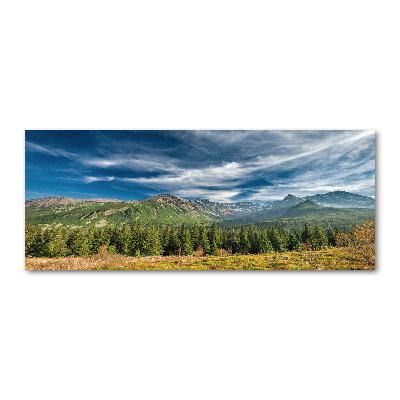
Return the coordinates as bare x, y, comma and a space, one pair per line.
62, 201
165, 197
308, 203
342, 199
292, 197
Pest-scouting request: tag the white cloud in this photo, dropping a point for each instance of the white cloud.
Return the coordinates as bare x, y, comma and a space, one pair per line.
222, 196
90, 179
218, 176
130, 163
49, 150
314, 162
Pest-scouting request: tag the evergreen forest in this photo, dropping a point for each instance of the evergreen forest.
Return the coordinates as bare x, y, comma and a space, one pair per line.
153, 240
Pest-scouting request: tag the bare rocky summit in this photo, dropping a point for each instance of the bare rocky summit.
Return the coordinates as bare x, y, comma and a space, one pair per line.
62, 201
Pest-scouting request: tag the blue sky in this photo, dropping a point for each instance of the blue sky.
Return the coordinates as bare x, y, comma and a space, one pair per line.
225, 166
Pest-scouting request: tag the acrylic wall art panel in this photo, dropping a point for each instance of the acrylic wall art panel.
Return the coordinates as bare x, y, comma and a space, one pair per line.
200, 200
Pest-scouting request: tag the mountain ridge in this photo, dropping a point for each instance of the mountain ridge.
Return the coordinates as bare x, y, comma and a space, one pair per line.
170, 209
342, 199
55, 201
337, 199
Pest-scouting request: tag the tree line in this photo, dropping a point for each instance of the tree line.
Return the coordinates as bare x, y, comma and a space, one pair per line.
138, 240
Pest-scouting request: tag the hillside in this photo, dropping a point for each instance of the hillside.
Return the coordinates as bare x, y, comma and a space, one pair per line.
312, 213
278, 208
60, 201
93, 213
342, 199
192, 207
305, 209
51, 201
166, 208
309, 208
289, 201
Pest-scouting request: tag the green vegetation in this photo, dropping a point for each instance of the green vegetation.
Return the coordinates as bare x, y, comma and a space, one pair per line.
88, 215
169, 227
290, 213
330, 259
138, 247
341, 220
139, 240
174, 211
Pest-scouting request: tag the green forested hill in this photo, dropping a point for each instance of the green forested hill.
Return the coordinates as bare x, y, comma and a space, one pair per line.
311, 213
325, 218
102, 214
309, 208
168, 209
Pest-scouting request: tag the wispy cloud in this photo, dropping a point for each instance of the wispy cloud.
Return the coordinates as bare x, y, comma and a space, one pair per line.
130, 163
344, 175
219, 165
55, 152
90, 179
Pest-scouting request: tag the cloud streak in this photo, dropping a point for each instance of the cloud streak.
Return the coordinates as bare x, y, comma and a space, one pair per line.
218, 165
327, 177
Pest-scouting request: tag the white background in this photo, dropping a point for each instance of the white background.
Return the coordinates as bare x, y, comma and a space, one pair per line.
199, 65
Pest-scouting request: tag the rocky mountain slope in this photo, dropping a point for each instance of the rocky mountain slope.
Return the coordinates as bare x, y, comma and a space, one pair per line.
193, 207
59, 201
166, 208
341, 199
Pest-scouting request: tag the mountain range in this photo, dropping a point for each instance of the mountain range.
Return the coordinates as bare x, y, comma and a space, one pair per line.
166, 208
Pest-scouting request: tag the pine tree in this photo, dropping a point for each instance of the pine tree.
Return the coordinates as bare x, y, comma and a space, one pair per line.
284, 235
96, 239
243, 241
319, 238
203, 239
214, 239
53, 243
33, 241
90, 240
265, 244
152, 242
165, 234
195, 235
181, 235
77, 244
66, 235
253, 240
136, 238
38, 247
293, 243
47, 242
306, 234
223, 237
173, 245
275, 239
229, 241
331, 237
123, 245
185, 241
186, 244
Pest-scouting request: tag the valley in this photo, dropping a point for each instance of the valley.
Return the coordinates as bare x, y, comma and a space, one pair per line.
169, 232
290, 212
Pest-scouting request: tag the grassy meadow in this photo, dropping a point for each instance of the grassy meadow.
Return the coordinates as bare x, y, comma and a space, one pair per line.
344, 258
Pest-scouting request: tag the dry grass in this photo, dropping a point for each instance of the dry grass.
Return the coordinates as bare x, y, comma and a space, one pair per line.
330, 259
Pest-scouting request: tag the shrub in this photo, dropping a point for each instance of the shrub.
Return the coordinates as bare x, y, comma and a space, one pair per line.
102, 249
342, 239
307, 246
222, 253
362, 241
199, 252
